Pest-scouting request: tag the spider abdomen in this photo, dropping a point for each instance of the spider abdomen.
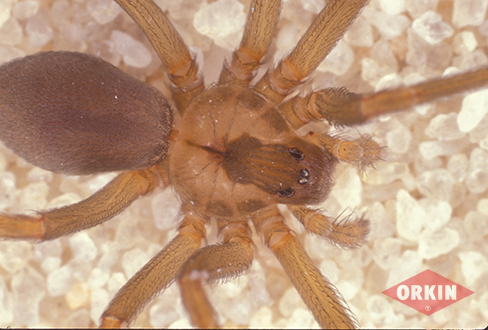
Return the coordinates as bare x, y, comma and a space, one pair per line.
77, 114
235, 154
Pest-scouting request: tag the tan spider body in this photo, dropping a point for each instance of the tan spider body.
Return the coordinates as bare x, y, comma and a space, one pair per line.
232, 159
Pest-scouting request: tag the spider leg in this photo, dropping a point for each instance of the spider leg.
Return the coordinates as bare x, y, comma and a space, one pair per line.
343, 233
212, 263
362, 152
156, 275
96, 209
341, 107
321, 297
321, 37
168, 43
260, 26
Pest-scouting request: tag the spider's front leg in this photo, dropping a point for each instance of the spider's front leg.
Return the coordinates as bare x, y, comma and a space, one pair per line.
322, 298
212, 263
341, 107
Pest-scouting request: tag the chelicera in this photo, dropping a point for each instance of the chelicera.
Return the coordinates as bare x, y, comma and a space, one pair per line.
234, 141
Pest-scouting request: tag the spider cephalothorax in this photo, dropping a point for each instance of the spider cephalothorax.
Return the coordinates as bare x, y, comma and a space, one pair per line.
246, 152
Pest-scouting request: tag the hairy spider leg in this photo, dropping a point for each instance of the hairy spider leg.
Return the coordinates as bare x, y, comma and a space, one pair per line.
109, 201
321, 297
321, 37
156, 275
168, 43
221, 261
260, 26
341, 107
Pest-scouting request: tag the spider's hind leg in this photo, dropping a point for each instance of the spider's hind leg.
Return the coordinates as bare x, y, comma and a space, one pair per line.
96, 209
156, 275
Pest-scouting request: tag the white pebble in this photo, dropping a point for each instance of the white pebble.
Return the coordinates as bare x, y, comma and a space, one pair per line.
38, 30
431, 28
50, 264
404, 267
98, 278
25, 9
380, 310
386, 251
390, 26
32, 197
5, 11
115, 282
28, 290
301, 318
469, 12
474, 108
78, 296
473, 266
431, 149
438, 211
444, 127
410, 216
482, 206
83, 247
99, 299
477, 180
11, 33
7, 190
6, 305
350, 282
330, 270
438, 183
435, 243
385, 173
313, 6
381, 63
60, 281
15, 256
381, 225
360, 33
165, 209
348, 188
133, 260
392, 7
290, 301
464, 42
458, 166
417, 7
398, 139
133, 52
339, 60
166, 311
104, 11
262, 319
222, 21
476, 224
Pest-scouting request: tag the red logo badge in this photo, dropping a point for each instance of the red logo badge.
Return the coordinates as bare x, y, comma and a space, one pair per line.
428, 292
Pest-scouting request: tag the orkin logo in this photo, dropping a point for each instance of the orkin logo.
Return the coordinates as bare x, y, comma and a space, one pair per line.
428, 292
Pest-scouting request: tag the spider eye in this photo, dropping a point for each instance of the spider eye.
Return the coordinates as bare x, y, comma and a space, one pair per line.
296, 153
304, 175
288, 192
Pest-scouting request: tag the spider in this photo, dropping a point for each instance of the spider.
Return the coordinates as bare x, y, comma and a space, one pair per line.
286, 192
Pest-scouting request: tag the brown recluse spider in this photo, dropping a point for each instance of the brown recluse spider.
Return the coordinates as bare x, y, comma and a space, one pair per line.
403, 187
